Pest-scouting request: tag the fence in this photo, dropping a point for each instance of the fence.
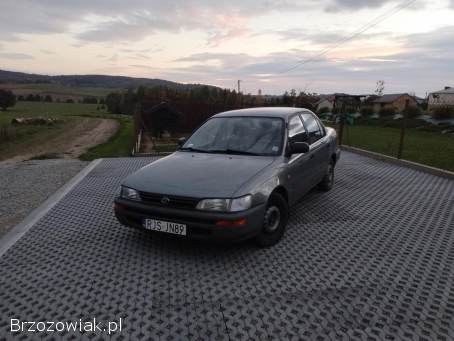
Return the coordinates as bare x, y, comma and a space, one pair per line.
406, 138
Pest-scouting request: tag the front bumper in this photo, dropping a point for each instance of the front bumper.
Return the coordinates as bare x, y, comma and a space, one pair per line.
199, 224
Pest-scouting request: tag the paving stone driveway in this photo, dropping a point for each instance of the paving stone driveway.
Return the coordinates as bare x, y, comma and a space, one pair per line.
373, 259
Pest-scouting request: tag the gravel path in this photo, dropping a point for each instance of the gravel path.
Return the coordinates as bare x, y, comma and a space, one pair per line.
25, 185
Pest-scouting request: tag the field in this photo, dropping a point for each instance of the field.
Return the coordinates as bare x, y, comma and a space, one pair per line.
58, 91
16, 140
119, 145
430, 148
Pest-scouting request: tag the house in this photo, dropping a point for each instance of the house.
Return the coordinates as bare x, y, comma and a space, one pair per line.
325, 102
442, 98
159, 119
394, 101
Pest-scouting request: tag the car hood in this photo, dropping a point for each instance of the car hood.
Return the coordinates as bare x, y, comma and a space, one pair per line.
197, 175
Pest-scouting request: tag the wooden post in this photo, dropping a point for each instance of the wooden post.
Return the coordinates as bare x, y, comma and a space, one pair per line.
341, 123
402, 130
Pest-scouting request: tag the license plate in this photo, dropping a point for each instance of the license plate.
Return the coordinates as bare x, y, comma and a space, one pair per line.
165, 226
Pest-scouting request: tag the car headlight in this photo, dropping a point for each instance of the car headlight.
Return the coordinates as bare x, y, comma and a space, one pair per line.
226, 205
129, 193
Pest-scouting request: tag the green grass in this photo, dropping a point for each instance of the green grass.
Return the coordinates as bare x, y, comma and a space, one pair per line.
430, 148
58, 90
53, 109
16, 138
117, 146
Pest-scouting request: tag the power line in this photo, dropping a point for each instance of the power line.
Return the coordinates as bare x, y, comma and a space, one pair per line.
358, 32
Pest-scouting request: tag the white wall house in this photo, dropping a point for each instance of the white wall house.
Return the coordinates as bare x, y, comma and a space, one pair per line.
442, 98
325, 103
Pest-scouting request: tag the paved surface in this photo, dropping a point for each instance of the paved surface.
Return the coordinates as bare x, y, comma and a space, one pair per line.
373, 259
25, 185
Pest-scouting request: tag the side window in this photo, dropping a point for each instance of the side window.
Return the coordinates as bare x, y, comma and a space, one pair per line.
296, 131
322, 128
313, 129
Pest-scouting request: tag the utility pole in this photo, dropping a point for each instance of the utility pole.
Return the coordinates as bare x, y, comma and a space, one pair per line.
239, 88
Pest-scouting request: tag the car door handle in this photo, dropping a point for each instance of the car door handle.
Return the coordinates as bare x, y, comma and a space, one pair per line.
312, 156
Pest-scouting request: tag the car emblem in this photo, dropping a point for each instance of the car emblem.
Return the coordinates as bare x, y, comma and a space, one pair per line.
165, 200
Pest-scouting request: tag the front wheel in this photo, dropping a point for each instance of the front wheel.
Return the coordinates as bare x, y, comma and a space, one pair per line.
274, 221
328, 180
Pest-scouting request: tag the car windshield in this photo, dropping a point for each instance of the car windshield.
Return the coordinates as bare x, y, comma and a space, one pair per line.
238, 135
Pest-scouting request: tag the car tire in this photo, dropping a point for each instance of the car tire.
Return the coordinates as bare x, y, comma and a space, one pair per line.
328, 180
274, 221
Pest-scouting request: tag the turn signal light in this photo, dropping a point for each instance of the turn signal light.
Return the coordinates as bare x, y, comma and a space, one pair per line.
231, 223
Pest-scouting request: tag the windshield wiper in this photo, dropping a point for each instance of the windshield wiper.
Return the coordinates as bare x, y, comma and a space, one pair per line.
191, 149
232, 151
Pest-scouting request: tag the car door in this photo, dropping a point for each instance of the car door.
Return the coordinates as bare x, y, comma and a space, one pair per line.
319, 146
300, 167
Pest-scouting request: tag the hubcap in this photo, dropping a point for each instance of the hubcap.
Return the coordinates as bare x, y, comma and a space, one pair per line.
272, 219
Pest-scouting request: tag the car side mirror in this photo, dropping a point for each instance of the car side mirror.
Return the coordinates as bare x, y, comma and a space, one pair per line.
304, 137
299, 148
181, 141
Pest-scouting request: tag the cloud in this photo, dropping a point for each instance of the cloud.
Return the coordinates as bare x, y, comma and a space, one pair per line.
118, 20
422, 65
12, 55
349, 5
324, 38
48, 52
338, 5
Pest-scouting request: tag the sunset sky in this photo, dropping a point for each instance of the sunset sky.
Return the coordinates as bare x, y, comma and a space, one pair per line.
219, 42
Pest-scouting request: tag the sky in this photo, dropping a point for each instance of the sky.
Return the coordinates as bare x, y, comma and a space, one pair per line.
272, 45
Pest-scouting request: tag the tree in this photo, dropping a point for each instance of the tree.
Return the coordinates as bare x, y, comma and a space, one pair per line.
90, 100
7, 99
380, 87
113, 102
412, 111
48, 98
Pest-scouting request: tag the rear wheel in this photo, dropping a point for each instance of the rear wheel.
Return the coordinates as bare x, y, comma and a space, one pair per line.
328, 180
274, 221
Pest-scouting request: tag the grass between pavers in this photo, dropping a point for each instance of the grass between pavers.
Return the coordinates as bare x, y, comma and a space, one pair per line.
118, 145
429, 148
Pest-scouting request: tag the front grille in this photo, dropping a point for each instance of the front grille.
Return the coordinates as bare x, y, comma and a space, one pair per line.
173, 202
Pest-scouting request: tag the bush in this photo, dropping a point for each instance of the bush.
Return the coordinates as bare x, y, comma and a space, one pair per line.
412, 111
443, 113
7, 132
7, 99
322, 111
367, 111
386, 112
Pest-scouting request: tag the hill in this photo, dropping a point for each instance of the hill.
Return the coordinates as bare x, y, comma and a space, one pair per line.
76, 86
101, 81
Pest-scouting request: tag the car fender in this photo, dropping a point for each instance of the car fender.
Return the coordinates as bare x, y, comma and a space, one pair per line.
263, 184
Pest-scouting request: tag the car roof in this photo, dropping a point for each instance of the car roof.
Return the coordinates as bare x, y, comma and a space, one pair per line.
282, 112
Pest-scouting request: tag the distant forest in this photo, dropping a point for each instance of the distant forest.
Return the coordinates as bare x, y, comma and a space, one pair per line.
102, 81
197, 104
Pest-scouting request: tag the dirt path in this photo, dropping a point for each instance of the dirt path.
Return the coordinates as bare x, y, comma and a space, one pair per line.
74, 141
